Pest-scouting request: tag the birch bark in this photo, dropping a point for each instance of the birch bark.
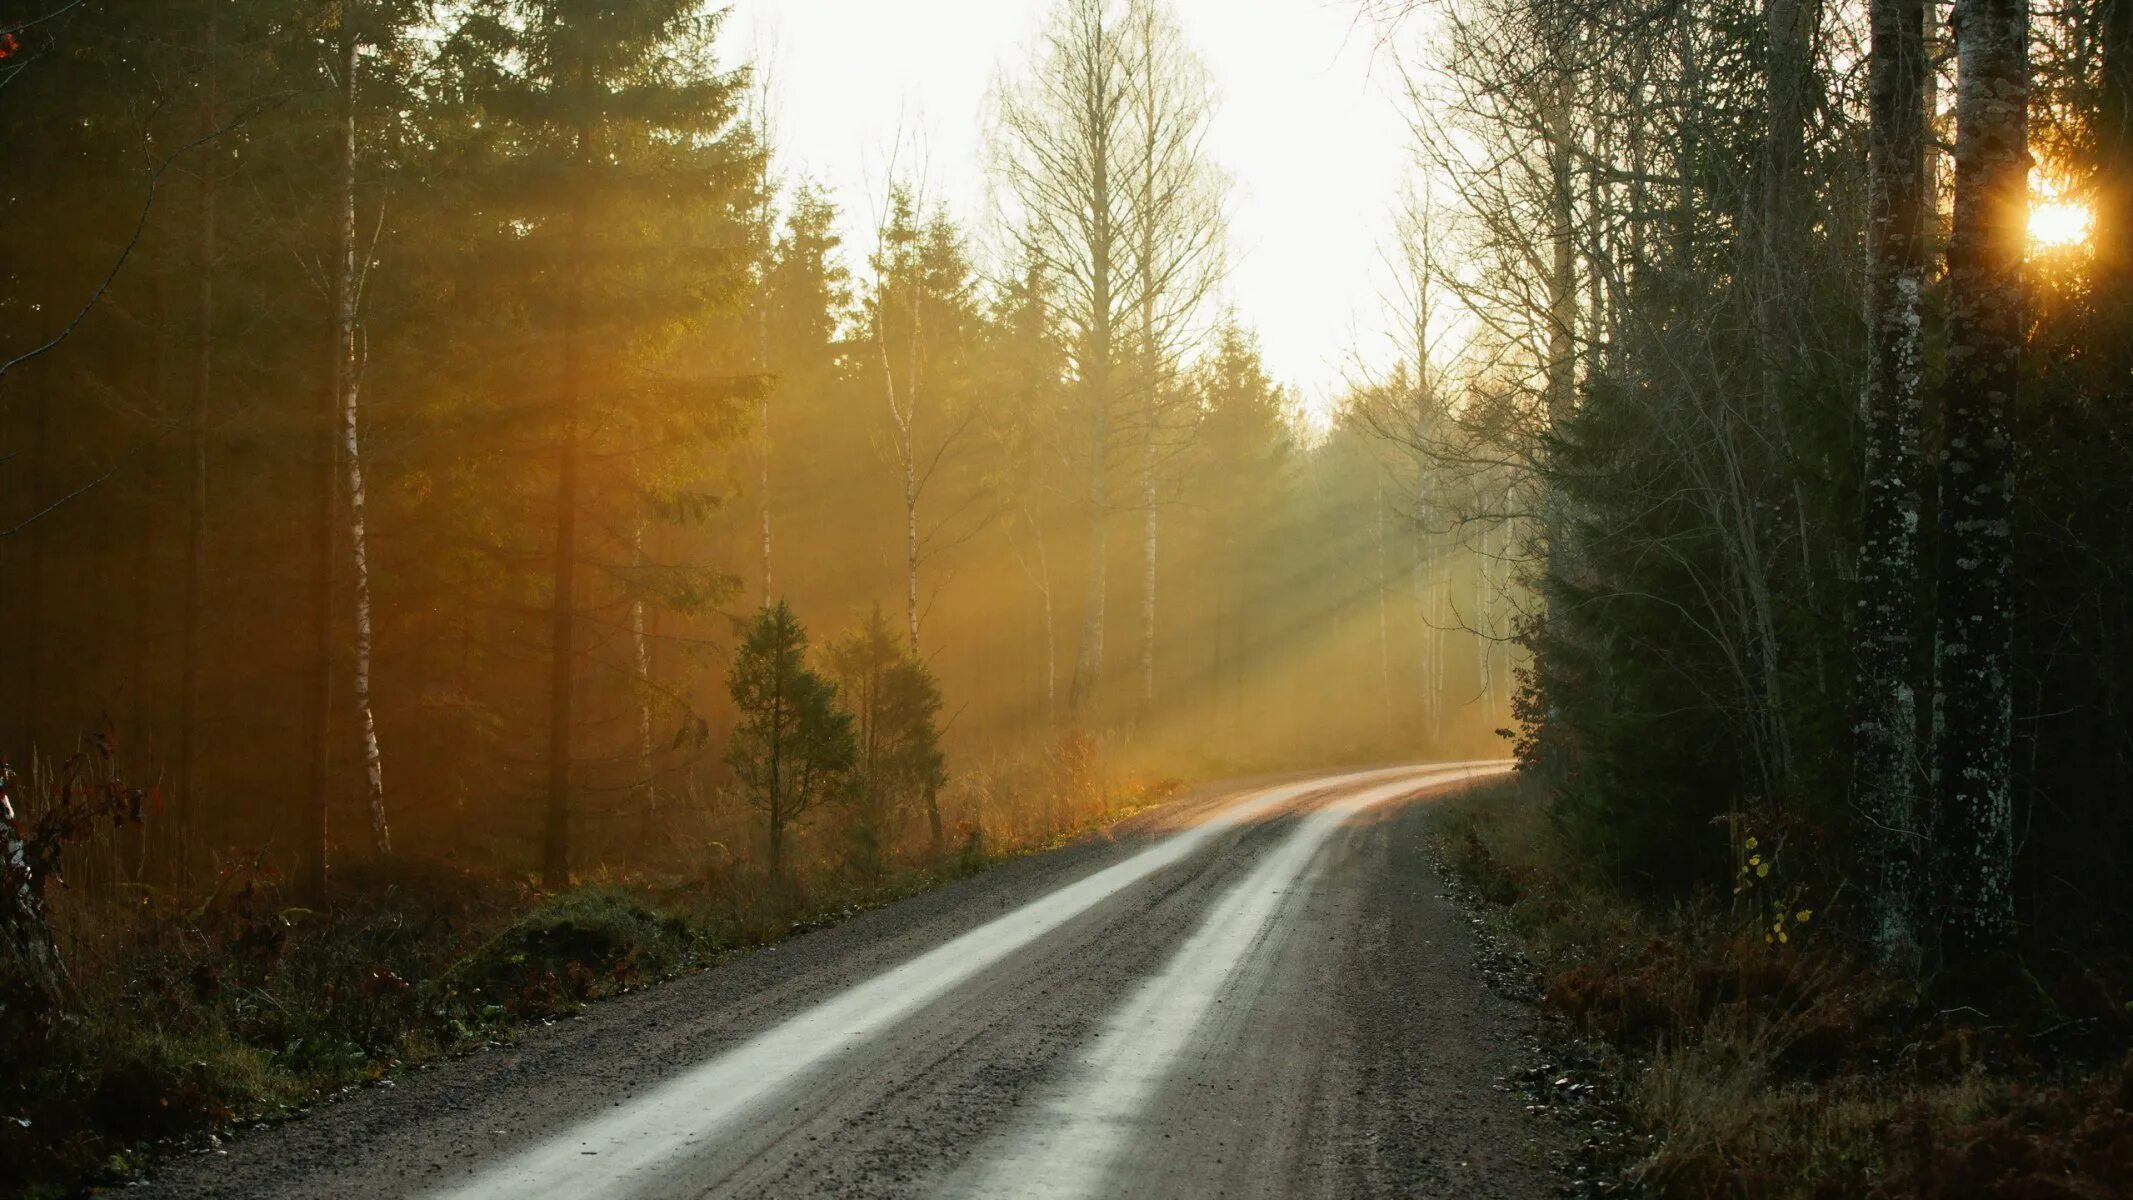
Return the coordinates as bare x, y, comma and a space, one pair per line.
346, 381
1976, 617
1886, 769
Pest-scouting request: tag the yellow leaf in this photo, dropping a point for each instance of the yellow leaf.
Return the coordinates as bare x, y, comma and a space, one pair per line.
1803, 914
1752, 843
1783, 938
1754, 859
1761, 870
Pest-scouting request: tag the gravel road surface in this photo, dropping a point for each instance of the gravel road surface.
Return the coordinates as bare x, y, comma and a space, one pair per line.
1253, 991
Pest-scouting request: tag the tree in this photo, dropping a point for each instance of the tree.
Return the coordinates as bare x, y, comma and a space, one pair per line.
1886, 767
1066, 166
793, 747
1975, 620
618, 134
894, 701
1175, 231
807, 298
2114, 166
1241, 465
338, 448
1023, 370
922, 318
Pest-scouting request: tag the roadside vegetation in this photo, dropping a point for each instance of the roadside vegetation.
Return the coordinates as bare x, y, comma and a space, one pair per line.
1754, 1055
182, 1018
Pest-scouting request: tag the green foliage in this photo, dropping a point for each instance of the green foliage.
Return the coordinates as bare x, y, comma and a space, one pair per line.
894, 701
570, 948
793, 747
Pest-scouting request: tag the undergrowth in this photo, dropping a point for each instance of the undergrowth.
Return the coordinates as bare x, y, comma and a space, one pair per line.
1766, 1063
186, 1018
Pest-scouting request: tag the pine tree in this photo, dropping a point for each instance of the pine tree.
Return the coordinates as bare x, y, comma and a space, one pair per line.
894, 702
617, 145
792, 747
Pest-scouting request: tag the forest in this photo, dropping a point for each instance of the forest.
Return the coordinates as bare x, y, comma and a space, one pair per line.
464, 487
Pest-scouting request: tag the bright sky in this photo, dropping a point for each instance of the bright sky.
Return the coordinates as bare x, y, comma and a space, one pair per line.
1305, 126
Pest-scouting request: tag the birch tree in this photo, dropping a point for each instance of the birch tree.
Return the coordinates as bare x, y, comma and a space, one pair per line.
1175, 232
922, 319
1887, 770
1975, 621
1064, 165
342, 466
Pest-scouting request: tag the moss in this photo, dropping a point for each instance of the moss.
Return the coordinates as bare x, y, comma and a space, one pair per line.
571, 948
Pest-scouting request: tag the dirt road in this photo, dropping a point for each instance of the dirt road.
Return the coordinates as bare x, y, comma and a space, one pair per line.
1255, 991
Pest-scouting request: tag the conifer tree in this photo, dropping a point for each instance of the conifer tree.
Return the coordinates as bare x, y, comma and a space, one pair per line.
793, 747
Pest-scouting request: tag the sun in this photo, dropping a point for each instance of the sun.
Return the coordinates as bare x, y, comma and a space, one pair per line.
2056, 224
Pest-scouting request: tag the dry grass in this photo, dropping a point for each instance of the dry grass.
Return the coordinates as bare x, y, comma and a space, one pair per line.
1785, 1071
191, 1013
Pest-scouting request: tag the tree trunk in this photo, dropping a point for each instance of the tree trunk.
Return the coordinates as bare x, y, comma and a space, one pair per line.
340, 412
1148, 560
1782, 240
191, 826
1562, 297
2113, 236
359, 560
346, 386
1088, 663
1425, 622
1886, 770
1423, 418
641, 659
1779, 222
1377, 538
911, 547
1688, 161
33, 589
903, 419
1097, 355
562, 675
1976, 617
1051, 636
762, 359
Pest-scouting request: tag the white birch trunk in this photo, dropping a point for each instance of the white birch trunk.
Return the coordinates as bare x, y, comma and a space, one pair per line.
347, 384
359, 561
1148, 561
1384, 617
641, 648
1886, 770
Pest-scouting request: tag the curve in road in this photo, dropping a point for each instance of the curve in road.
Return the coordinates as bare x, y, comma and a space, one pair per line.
1270, 999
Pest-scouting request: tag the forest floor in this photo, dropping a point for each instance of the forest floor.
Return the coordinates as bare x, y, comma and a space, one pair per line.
1256, 990
1710, 1062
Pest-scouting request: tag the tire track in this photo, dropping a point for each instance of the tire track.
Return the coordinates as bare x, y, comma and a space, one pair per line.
1068, 1146
626, 1151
